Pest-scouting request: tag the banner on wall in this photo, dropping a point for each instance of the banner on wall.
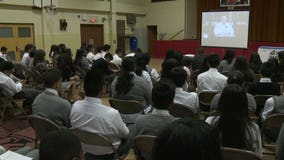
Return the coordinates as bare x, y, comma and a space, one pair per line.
266, 52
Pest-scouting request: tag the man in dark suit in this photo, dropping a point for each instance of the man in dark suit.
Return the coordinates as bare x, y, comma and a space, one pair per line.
265, 86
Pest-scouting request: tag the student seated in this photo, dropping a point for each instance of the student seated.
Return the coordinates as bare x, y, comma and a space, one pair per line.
49, 104
179, 77
187, 139
92, 116
265, 86
274, 104
129, 86
211, 80
60, 145
232, 123
151, 123
235, 77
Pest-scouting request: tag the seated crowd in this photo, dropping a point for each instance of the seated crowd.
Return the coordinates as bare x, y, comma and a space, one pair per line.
91, 76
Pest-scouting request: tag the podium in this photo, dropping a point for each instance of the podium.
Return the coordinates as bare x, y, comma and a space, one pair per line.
265, 52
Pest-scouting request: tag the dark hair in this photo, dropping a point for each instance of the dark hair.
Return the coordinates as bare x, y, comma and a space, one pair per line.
55, 49
62, 47
255, 58
186, 139
241, 64
234, 118
176, 55
124, 81
147, 58
267, 69
90, 48
4, 49
163, 94
106, 47
236, 77
229, 56
32, 53
187, 61
108, 56
94, 82
28, 47
59, 145
4, 66
281, 55
140, 63
79, 55
99, 48
51, 77
39, 57
138, 50
213, 60
178, 75
167, 65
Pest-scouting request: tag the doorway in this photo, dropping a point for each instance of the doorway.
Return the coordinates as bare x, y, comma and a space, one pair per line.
152, 36
15, 37
120, 29
92, 34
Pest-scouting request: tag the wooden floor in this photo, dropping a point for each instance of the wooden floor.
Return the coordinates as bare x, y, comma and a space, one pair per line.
156, 63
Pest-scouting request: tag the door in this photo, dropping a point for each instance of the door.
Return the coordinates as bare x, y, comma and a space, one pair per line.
92, 34
120, 30
15, 37
152, 36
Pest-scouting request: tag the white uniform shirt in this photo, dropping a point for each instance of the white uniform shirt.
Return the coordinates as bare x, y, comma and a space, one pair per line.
3, 56
116, 60
268, 108
91, 57
25, 59
187, 99
90, 115
211, 80
9, 85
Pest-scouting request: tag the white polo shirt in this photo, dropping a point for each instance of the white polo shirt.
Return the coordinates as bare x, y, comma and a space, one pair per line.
90, 115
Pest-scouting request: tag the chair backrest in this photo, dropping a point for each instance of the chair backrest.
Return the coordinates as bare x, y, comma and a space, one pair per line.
91, 138
143, 146
238, 154
274, 121
126, 106
179, 110
205, 98
260, 102
42, 125
261, 99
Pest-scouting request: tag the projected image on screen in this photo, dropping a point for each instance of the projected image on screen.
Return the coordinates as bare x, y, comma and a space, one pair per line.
225, 29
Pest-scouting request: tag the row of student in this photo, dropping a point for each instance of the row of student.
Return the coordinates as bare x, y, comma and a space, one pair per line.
231, 123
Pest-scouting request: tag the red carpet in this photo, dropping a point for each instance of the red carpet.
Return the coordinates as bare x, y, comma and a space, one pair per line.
16, 134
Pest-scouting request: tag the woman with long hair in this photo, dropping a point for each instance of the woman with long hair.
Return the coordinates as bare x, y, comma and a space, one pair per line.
129, 86
228, 61
141, 67
255, 62
232, 123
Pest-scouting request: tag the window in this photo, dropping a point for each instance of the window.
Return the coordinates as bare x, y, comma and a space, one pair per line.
6, 32
24, 32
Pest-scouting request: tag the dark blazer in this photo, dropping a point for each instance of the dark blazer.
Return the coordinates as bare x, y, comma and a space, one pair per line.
260, 88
